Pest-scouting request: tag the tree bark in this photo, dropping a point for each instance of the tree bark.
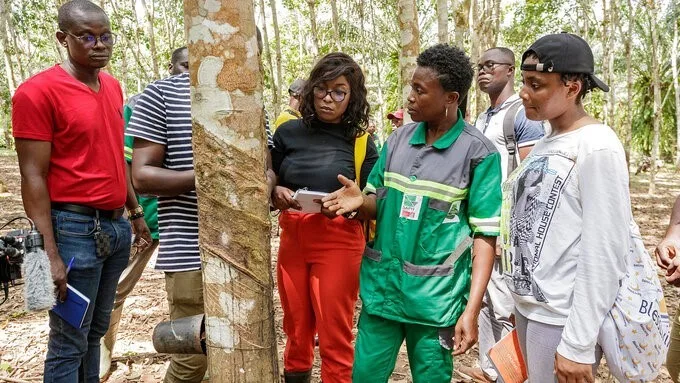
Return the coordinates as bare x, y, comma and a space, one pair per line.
277, 45
476, 42
410, 47
614, 20
376, 63
497, 21
628, 43
4, 45
142, 77
149, 18
312, 21
268, 60
461, 10
23, 74
583, 6
443, 21
606, 49
676, 88
123, 79
336, 27
140, 67
229, 149
656, 86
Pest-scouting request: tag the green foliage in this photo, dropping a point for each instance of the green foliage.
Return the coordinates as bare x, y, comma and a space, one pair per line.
643, 118
369, 32
531, 20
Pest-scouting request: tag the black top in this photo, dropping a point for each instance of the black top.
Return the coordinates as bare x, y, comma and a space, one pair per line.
312, 157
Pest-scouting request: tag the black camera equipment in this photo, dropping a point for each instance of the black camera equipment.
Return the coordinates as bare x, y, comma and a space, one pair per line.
14, 246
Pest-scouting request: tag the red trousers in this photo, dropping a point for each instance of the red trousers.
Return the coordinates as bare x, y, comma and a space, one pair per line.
318, 280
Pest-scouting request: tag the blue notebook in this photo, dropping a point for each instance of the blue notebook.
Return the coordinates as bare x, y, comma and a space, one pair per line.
74, 308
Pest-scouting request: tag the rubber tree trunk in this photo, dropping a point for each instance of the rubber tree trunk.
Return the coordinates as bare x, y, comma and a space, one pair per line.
268, 60
277, 45
4, 45
336, 25
443, 21
460, 9
614, 18
656, 86
410, 47
149, 21
676, 86
229, 160
312, 23
628, 43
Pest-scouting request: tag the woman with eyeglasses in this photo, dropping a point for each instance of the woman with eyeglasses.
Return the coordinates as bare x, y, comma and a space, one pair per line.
320, 254
434, 191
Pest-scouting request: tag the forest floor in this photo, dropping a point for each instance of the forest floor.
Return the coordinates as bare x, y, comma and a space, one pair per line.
23, 335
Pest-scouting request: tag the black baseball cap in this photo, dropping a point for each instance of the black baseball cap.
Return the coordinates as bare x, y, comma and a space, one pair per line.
564, 53
297, 86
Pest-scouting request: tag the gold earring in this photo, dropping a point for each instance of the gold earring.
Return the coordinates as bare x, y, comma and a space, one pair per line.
447, 112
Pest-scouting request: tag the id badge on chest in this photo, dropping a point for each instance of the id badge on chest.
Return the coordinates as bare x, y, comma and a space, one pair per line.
410, 206
102, 240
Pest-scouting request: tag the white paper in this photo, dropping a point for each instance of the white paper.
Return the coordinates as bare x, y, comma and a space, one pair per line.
306, 200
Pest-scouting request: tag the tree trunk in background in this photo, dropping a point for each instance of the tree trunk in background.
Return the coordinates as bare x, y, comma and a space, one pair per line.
498, 17
607, 38
229, 149
142, 78
301, 38
381, 95
312, 23
123, 74
461, 10
443, 21
336, 27
628, 44
410, 47
23, 73
676, 88
656, 86
583, 8
140, 68
476, 41
55, 44
4, 45
277, 45
149, 18
614, 20
482, 17
268, 60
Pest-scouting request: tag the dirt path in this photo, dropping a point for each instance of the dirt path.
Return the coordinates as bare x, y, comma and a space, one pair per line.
23, 336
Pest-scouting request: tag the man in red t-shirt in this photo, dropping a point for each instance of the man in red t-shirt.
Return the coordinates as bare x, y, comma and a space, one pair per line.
68, 126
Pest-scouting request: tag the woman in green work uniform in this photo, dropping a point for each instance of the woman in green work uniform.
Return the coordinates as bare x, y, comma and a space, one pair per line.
435, 187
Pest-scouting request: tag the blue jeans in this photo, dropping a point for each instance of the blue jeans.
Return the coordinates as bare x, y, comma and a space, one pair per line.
73, 354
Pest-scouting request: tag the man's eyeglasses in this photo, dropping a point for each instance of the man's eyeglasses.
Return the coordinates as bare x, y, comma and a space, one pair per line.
89, 40
489, 66
336, 94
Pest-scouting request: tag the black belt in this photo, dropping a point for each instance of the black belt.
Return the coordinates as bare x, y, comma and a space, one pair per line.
86, 210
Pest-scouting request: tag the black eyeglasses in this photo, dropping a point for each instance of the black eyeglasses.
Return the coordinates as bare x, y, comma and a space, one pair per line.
489, 66
89, 40
336, 94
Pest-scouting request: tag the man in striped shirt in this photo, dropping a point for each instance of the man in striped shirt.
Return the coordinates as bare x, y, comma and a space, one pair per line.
162, 165
138, 259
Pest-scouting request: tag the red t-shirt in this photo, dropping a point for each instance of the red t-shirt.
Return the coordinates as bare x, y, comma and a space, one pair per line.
86, 131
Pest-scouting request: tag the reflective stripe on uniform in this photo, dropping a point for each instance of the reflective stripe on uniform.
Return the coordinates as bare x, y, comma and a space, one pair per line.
424, 188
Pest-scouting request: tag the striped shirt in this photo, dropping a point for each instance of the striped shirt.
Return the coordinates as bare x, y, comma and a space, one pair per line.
163, 116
